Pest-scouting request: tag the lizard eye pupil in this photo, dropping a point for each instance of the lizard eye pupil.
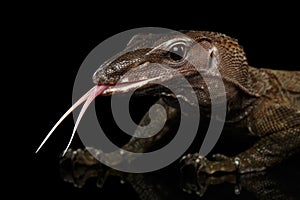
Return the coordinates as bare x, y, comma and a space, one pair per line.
177, 52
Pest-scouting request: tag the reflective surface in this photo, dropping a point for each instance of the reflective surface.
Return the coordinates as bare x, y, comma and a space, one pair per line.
281, 182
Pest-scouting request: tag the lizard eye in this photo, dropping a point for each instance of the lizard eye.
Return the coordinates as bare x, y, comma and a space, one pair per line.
177, 52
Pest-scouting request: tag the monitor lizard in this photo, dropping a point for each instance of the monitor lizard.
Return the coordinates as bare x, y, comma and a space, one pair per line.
265, 101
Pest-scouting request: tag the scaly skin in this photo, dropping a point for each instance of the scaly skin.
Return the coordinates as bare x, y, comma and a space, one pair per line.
264, 101
274, 117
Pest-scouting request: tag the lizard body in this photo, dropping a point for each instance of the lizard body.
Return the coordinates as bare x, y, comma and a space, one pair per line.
263, 100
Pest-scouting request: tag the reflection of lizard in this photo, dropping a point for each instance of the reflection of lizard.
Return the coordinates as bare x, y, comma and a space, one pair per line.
267, 102
147, 186
262, 185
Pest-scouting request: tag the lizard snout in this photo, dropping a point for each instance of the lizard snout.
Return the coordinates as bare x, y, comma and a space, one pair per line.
110, 72
102, 77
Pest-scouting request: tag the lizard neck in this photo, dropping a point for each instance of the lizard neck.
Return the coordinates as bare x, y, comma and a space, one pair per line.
248, 98
258, 81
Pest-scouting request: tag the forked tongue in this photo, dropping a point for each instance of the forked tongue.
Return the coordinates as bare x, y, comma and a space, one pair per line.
88, 98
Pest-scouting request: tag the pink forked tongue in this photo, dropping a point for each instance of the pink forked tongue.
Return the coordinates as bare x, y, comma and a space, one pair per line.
88, 98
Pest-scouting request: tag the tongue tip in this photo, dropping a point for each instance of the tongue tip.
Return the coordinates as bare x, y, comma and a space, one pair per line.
96, 90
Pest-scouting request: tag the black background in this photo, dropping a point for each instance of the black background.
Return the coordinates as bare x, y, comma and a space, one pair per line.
54, 40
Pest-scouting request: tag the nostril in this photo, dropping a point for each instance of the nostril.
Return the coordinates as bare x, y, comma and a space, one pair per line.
102, 78
96, 78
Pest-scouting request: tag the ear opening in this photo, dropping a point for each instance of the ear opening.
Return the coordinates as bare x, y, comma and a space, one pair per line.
213, 57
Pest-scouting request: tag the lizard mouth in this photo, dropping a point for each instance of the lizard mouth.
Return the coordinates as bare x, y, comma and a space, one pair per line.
123, 87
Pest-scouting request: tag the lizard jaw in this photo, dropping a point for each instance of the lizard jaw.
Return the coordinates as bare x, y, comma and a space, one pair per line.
124, 87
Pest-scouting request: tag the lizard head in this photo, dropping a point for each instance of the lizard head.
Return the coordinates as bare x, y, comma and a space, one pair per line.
150, 58
147, 59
